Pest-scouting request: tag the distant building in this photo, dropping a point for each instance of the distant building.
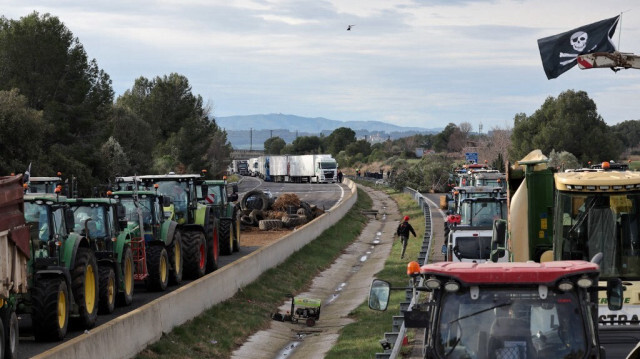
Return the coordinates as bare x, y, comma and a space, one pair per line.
419, 152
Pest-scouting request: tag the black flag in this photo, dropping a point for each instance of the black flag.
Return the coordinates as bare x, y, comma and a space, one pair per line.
559, 53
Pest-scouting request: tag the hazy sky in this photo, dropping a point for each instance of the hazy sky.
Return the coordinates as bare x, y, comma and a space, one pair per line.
407, 62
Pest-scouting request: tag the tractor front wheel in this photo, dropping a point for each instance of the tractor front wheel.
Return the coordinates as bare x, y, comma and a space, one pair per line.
175, 256
158, 266
11, 335
84, 279
108, 289
50, 309
125, 297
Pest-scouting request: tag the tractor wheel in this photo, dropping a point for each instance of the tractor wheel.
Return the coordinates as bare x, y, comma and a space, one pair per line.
194, 250
11, 335
125, 297
158, 267
175, 256
267, 224
50, 309
246, 220
226, 240
108, 289
84, 279
260, 200
213, 243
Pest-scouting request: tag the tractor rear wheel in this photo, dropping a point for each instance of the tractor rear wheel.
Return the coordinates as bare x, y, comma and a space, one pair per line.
11, 335
226, 242
84, 279
108, 289
175, 256
194, 250
213, 243
158, 267
125, 297
50, 309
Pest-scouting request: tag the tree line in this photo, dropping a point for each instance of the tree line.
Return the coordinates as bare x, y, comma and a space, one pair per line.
58, 112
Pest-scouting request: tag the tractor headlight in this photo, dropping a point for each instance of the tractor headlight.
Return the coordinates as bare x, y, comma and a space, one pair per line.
585, 282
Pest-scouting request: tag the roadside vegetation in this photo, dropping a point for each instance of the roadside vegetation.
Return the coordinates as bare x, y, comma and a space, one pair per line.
361, 339
224, 327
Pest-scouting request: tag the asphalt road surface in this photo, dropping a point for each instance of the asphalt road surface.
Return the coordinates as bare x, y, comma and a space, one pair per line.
322, 195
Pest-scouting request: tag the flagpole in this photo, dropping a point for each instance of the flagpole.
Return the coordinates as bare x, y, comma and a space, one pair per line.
620, 32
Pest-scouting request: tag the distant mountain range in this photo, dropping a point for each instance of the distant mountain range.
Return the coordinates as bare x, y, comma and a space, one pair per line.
251, 131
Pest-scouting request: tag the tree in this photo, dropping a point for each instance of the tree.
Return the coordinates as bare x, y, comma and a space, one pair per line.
339, 139
628, 132
563, 160
441, 140
21, 133
41, 57
117, 162
359, 147
307, 145
568, 123
183, 133
274, 145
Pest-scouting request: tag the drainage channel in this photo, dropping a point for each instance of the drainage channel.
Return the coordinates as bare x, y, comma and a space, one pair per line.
290, 348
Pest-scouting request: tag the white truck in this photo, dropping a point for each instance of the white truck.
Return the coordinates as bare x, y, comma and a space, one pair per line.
299, 168
253, 166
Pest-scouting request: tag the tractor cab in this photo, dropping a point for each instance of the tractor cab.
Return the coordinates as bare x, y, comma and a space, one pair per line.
43, 184
505, 310
181, 189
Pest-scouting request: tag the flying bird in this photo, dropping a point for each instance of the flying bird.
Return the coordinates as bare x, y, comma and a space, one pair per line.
349, 27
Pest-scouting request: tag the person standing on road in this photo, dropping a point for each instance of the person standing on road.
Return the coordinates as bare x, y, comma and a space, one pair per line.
403, 231
339, 176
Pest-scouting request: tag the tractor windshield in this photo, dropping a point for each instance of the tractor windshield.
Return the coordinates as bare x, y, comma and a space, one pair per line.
511, 323
94, 216
481, 213
586, 224
37, 218
179, 196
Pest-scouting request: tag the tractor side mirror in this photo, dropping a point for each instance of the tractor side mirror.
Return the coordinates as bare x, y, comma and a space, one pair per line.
379, 294
204, 189
615, 291
121, 212
69, 219
232, 197
498, 239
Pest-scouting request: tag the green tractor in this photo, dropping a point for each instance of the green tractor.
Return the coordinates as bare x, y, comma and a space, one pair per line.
157, 246
103, 221
197, 221
63, 270
214, 193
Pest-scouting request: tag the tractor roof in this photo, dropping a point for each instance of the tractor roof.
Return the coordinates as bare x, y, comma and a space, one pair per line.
170, 177
509, 273
608, 181
131, 193
45, 179
80, 201
45, 197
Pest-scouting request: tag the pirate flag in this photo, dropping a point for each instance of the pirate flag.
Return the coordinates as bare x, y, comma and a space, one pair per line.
559, 52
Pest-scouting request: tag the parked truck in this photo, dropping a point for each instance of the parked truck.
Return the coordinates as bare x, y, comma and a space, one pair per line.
298, 168
505, 310
14, 254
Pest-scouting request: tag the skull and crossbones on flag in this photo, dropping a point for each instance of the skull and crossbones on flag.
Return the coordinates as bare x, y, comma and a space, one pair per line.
560, 52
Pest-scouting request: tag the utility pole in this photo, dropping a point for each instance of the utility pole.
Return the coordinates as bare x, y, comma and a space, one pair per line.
251, 139
270, 133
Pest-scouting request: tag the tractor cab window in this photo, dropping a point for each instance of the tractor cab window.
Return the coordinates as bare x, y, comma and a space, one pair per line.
95, 219
58, 221
511, 323
37, 218
587, 224
179, 196
144, 204
481, 213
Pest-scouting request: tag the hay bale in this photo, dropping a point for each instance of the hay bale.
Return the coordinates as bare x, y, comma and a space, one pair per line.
285, 200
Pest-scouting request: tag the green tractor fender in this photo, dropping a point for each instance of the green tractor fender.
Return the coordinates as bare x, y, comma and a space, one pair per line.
202, 214
167, 231
70, 248
123, 239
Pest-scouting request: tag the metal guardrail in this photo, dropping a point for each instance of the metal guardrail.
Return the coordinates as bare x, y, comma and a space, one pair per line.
423, 258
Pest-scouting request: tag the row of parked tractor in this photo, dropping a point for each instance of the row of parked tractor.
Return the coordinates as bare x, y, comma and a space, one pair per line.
67, 259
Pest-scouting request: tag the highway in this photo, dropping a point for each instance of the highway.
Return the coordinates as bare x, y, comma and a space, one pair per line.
323, 195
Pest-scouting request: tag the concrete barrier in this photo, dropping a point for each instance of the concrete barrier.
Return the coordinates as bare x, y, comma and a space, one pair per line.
130, 333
